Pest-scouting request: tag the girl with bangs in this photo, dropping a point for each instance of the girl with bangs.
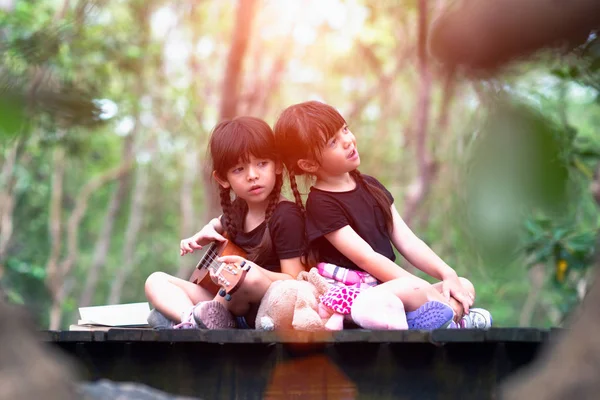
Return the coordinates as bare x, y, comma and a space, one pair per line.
258, 219
351, 224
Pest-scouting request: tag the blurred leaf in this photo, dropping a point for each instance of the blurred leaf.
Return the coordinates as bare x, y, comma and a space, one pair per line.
559, 73
38, 47
559, 234
12, 115
573, 72
15, 297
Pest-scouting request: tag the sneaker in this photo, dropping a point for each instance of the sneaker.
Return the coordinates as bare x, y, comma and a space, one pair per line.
187, 321
478, 318
431, 315
213, 315
157, 320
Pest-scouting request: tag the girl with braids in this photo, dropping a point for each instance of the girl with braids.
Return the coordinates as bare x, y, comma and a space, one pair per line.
351, 223
259, 220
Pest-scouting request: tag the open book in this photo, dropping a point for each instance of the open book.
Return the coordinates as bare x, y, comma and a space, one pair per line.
133, 315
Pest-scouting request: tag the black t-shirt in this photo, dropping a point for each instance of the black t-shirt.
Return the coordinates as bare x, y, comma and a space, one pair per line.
286, 227
327, 212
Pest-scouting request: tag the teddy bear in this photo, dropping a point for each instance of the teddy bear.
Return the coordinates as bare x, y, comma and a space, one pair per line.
293, 304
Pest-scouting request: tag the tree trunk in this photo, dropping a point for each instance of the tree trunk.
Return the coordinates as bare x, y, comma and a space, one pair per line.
53, 277
380, 142
103, 242
537, 277
246, 11
447, 97
230, 91
420, 187
264, 89
186, 211
7, 198
441, 128
56, 306
62, 270
136, 216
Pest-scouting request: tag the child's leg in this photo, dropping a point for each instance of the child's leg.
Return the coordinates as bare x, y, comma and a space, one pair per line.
173, 296
413, 291
425, 306
378, 309
217, 314
251, 291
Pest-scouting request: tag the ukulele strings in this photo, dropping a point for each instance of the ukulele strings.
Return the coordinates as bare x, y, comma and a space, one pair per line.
211, 257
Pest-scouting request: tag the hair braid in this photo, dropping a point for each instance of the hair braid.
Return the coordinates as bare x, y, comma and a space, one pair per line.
358, 176
295, 190
228, 213
274, 197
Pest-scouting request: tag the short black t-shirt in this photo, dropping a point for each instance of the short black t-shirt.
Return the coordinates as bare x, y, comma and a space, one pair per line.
286, 227
327, 212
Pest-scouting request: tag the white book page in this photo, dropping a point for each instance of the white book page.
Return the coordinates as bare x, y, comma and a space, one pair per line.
133, 314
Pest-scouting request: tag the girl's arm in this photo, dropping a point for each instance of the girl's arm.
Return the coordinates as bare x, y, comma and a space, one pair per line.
357, 250
211, 232
216, 224
417, 252
290, 267
422, 257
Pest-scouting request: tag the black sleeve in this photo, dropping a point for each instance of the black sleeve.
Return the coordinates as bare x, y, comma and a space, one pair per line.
287, 230
323, 215
374, 182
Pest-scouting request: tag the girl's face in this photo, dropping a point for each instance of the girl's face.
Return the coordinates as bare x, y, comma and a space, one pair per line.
340, 154
252, 180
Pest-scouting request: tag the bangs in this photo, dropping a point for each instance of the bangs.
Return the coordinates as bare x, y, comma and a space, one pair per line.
318, 122
304, 129
237, 140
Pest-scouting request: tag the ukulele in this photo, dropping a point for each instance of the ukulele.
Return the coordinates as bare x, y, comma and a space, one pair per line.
227, 278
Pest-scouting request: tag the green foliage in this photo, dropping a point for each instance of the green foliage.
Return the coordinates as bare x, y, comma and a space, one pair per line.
519, 162
12, 117
513, 170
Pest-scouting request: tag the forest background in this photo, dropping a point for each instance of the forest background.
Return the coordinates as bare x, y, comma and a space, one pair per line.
106, 107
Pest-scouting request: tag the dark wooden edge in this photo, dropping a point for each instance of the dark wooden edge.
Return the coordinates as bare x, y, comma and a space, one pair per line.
346, 336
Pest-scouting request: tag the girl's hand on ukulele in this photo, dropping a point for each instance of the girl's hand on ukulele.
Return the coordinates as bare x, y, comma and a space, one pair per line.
206, 235
234, 260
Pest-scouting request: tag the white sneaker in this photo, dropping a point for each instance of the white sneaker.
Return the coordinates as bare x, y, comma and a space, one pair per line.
478, 318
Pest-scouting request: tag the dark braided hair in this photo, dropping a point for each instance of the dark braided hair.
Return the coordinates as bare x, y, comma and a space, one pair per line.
230, 142
233, 213
295, 190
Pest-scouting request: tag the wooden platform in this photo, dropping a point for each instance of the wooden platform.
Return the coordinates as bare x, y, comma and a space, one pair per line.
351, 364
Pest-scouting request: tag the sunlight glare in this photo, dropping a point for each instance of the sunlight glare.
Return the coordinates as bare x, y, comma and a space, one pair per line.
304, 18
108, 108
162, 21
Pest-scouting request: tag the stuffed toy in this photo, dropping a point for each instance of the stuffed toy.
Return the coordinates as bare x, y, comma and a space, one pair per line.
293, 304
